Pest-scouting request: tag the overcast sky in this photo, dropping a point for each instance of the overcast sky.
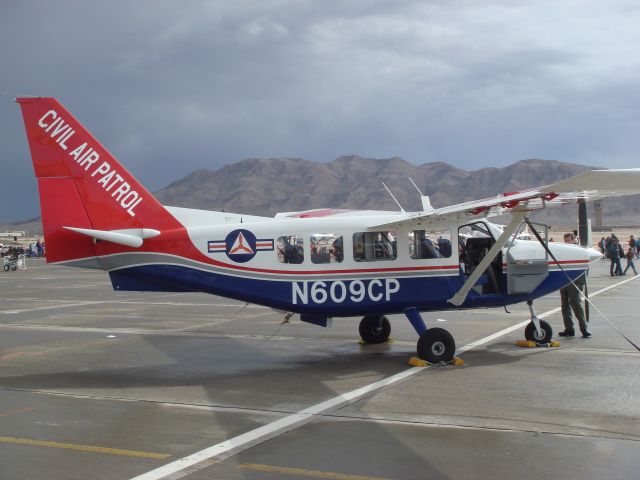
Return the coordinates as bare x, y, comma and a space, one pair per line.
170, 87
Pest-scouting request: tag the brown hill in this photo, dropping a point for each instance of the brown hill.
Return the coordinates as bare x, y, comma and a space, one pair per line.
267, 186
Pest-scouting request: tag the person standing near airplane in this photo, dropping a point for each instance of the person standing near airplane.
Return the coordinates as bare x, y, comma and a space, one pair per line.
630, 254
570, 299
613, 251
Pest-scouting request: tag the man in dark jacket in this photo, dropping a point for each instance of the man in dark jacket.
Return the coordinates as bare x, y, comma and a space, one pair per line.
613, 251
571, 299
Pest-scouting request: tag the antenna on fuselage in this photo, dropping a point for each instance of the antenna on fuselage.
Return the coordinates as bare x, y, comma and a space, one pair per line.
414, 184
426, 203
394, 198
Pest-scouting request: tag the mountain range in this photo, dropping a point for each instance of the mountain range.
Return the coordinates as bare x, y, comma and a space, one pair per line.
267, 186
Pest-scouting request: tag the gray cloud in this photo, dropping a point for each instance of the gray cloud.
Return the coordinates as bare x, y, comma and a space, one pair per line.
173, 86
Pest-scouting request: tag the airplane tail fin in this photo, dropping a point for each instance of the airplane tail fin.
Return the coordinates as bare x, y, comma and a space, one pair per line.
83, 188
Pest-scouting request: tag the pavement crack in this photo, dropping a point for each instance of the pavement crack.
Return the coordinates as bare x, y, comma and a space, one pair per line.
596, 433
200, 406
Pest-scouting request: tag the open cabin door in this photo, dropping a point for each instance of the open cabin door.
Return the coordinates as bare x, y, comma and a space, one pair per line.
475, 240
528, 264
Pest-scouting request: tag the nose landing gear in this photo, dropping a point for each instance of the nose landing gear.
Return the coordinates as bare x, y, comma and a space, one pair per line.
537, 330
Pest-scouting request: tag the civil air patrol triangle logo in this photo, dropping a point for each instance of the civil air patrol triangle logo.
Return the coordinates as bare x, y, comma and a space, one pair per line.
240, 245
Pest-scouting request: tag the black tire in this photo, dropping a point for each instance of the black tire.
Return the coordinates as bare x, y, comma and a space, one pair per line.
531, 334
375, 329
6, 268
436, 345
14, 268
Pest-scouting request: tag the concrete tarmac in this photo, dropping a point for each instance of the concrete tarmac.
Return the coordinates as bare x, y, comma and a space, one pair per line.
114, 385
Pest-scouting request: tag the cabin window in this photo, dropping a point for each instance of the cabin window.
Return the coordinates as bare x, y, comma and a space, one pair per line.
326, 248
290, 249
430, 244
374, 246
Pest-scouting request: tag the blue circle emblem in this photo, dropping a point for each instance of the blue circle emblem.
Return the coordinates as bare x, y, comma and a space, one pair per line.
240, 245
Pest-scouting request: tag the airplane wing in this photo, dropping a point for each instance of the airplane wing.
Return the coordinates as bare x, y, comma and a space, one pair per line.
591, 185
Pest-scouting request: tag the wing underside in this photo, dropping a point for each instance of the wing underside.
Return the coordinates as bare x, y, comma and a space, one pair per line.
591, 185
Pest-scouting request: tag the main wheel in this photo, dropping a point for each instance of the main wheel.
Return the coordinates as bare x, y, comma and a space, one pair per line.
375, 329
13, 268
531, 334
436, 345
6, 268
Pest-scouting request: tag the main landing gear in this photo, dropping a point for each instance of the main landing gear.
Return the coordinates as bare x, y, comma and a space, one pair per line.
375, 329
435, 345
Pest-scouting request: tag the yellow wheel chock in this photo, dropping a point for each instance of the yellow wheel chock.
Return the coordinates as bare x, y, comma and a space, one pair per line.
388, 341
530, 344
418, 362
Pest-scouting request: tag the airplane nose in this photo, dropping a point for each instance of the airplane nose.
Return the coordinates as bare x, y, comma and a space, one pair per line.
593, 254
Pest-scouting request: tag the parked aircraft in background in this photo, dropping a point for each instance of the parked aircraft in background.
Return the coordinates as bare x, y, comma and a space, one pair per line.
319, 263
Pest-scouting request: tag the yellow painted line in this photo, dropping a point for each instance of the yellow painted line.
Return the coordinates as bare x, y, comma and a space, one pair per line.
12, 355
305, 473
15, 412
83, 448
18, 354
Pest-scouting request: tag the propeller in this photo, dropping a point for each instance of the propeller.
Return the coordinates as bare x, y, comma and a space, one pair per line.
584, 234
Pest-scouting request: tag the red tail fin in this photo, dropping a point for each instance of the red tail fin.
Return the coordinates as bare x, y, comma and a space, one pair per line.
81, 184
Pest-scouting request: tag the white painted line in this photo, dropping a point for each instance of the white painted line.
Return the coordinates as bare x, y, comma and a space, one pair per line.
122, 302
487, 339
617, 284
182, 466
49, 307
187, 304
272, 429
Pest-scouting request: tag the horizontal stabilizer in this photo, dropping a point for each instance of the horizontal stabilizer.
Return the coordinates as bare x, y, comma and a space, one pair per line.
131, 237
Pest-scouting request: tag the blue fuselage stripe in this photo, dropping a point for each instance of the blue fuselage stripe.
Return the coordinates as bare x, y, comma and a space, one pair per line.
345, 297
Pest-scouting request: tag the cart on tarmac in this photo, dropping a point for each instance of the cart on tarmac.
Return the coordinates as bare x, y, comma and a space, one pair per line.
14, 263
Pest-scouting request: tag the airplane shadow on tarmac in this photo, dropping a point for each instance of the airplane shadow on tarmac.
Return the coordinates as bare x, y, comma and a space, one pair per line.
221, 364
503, 353
247, 374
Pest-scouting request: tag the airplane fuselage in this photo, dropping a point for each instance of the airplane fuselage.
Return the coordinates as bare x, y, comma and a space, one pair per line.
246, 261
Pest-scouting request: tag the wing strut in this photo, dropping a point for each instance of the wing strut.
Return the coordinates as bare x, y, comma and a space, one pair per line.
459, 298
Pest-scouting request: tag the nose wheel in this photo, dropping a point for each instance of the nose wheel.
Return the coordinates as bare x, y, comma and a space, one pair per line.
543, 336
537, 330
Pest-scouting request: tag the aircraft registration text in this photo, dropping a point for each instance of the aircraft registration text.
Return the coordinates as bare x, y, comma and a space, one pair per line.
339, 291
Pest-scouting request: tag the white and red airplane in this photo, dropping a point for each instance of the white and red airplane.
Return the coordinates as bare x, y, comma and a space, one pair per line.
319, 263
